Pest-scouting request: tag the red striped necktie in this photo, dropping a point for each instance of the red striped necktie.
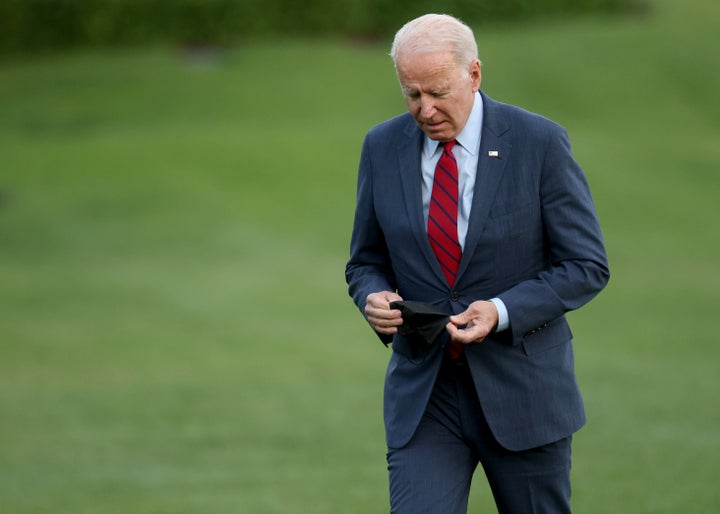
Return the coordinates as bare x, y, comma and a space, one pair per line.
442, 221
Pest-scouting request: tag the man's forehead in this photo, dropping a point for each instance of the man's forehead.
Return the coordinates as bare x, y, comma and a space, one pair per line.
427, 73
413, 58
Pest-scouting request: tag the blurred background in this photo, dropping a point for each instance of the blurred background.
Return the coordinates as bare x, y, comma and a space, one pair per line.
177, 184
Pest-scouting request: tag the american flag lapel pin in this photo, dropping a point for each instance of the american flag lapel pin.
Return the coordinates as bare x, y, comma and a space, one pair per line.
493, 153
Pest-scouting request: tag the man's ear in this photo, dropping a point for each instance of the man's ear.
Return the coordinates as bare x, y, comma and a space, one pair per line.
475, 75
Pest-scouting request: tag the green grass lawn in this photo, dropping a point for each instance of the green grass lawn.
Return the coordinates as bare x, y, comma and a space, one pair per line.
175, 334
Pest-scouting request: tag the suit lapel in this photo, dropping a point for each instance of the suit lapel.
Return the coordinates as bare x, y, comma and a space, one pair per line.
409, 152
492, 159
489, 174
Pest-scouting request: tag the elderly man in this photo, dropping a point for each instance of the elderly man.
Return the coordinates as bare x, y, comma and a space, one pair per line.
478, 210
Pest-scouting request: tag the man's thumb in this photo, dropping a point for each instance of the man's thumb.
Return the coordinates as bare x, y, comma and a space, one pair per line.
459, 319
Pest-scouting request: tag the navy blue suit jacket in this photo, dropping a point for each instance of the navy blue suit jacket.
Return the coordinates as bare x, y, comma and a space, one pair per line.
533, 241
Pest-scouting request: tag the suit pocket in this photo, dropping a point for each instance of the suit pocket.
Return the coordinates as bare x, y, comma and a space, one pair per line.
412, 348
512, 224
545, 338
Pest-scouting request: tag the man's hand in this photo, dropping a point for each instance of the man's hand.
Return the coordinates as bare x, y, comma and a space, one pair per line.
479, 319
378, 312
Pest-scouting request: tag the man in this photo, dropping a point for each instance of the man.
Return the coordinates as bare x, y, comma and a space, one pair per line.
479, 209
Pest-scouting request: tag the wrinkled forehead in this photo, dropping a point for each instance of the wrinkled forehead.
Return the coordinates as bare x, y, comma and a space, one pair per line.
422, 66
424, 51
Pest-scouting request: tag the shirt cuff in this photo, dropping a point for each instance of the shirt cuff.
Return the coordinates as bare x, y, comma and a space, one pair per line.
503, 318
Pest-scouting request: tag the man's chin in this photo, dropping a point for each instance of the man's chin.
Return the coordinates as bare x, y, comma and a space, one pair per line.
442, 137
437, 133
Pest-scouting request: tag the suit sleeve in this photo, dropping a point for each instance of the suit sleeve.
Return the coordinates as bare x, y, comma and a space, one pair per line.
369, 269
578, 267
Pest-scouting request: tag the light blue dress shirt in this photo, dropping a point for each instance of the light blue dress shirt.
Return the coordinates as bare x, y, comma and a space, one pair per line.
466, 153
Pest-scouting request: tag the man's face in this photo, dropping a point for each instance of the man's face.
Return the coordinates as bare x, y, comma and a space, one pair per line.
439, 93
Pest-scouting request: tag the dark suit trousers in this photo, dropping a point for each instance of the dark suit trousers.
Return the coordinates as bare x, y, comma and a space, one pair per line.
432, 473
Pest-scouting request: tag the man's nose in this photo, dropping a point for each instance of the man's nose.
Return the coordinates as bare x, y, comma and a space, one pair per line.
427, 107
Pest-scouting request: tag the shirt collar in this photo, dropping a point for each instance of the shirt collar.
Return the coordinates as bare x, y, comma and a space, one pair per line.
469, 137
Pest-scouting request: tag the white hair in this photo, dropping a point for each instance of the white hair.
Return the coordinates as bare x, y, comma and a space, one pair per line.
433, 33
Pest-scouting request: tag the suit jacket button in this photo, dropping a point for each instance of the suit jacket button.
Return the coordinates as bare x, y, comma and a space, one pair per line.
454, 296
